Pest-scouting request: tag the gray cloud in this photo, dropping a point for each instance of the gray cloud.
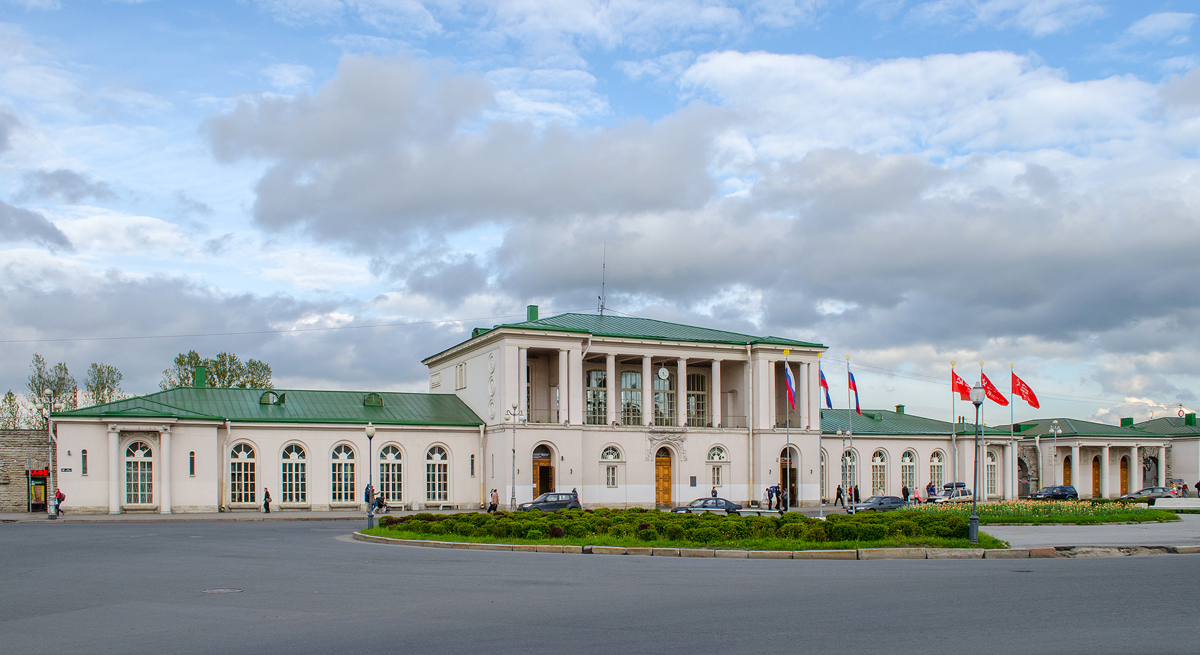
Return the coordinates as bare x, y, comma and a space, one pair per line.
388, 149
17, 224
63, 185
114, 305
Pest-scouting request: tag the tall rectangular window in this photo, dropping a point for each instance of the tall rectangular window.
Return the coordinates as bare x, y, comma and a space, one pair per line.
437, 481
631, 397
460, 376
716, 476
697, 400
908, 470
83, 462
664, 399
472, 465
596, 399
935, 470
610, 475
991, 474
192, 464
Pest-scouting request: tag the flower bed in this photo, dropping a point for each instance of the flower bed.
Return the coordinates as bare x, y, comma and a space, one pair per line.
1081, 512
638, 527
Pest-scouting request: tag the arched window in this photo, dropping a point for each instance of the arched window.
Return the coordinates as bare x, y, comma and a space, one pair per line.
908, 470
139, 474
596, 396
241, 474
83, 462
342, 470
437, 474
935, 470
611, 452
879, 473
631, 397
717, 454
849, 470
664, 398
295, 475
991, 473
390, 474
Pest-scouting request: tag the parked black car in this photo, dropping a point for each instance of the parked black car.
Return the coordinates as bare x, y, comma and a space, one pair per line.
552, 502
878, 504
1061, 492
707, 505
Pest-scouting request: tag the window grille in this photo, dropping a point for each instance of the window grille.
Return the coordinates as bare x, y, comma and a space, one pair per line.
295, 475
342, 474
596, 401
139, 474
241, 474
437, 474
878, 474
631, 397
390, 474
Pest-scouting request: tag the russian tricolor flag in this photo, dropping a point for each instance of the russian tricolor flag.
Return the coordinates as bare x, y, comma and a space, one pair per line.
825, 386
791, 384
854, 388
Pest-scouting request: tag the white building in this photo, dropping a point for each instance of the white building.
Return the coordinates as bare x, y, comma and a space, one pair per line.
628, 411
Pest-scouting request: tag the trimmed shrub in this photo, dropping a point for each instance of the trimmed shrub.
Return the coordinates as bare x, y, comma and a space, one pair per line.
905, 528
705, 535
674, 531
577, 529
843, 531
815, 532
500, 528
439, 528
648, 534
535, 534
465, 528
556, 532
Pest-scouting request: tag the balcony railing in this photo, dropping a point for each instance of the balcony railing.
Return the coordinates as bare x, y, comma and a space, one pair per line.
543, 416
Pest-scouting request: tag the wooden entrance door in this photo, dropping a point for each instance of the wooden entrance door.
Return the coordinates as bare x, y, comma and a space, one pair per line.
1095, 477
1124, 475
1067, 470
788, 472
543, 471
662, 478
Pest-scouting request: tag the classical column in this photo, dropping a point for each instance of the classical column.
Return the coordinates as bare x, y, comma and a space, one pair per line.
802, 393
681, 391
114, 470
564, 385
647, 391
1104, 462
1075, 466
1006, 488
771, 409
1162, 466
714, 399
523, 384
611, 386
575, 374
1135, 469
164, 451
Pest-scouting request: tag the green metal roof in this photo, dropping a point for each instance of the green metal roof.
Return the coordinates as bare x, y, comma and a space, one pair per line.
886, 422
1071, 427
1174, 426
647, 328
244, 406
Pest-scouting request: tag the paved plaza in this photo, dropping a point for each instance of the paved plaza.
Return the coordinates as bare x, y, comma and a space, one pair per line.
138, 587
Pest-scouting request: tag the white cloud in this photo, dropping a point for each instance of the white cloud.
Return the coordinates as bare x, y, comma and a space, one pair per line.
1163, 25
287, 77
1037, 17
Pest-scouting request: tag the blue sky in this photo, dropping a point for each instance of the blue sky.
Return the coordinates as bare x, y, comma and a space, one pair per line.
1010, 181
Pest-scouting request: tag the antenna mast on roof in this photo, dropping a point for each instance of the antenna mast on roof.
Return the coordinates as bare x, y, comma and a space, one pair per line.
603, 270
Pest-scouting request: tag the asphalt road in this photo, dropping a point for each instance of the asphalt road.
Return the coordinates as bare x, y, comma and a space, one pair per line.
138, 588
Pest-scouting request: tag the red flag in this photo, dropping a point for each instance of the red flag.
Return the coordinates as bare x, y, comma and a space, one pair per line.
1021, 389
992, 392
959, 386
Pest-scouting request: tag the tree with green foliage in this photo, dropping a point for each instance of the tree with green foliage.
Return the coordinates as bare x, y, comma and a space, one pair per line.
12, 415
57, 379
103, 384
226, 370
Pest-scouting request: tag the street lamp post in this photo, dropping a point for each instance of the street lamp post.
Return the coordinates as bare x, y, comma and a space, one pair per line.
1055, 430
973, 525
514, 415
370, 475
45, 407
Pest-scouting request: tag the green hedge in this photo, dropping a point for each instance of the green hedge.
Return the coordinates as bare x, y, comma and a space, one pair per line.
637, 525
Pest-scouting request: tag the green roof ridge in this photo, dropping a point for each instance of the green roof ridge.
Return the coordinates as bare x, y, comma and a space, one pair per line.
628, 326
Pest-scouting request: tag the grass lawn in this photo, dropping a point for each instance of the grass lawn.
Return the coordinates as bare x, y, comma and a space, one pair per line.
1077, 512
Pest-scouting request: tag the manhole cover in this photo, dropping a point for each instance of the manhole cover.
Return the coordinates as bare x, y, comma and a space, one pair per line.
223, 590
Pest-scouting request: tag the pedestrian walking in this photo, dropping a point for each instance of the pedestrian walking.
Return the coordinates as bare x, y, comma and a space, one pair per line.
766, 498
785, 499
1198, 489
59, 499
840, 498
929, 490
916, 496
904, 493
1185, 491
266, 500
495, 501
368, 494
856, 496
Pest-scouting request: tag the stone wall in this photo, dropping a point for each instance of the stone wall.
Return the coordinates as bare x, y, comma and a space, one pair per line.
17, 446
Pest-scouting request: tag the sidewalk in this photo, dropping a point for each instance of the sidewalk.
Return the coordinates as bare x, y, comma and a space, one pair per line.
278, 515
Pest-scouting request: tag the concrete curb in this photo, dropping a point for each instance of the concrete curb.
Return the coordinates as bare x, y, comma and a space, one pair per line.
1069, 552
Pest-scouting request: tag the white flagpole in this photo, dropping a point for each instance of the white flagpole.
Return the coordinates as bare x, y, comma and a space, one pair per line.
787, 370
953, 423
850, 429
